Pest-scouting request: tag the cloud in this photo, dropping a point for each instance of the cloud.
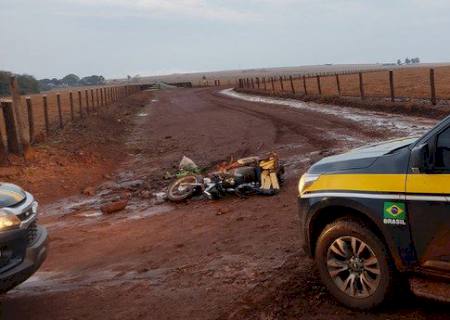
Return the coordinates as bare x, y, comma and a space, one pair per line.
186, 8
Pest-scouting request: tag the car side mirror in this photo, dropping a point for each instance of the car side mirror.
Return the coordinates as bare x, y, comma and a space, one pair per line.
420, 159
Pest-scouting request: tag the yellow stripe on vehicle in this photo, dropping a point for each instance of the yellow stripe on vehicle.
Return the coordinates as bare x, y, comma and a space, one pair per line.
428, 183
359, 182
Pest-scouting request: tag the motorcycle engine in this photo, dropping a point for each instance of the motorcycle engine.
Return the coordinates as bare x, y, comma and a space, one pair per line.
238, 176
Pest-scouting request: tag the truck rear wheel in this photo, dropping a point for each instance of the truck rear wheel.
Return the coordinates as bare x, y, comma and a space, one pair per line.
354, 265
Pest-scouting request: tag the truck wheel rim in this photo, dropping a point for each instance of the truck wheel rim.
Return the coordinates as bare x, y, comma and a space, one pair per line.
353, 266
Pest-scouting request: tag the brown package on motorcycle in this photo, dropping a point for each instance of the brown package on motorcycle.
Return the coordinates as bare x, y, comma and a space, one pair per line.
243, 177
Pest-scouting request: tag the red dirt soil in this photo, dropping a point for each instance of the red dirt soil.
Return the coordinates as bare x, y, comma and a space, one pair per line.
228, 259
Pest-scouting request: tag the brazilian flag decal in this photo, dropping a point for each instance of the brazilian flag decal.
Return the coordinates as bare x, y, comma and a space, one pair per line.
394, 210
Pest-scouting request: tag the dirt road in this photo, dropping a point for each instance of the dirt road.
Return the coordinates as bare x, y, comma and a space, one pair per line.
229, 259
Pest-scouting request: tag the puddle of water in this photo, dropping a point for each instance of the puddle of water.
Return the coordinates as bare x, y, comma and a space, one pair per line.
81, 212
142, 115
151, 211
406, 125
46, 282
91, 214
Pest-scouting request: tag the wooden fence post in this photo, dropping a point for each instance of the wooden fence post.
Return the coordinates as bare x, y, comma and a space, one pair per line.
86, 96
281, 84
12, 135
253, 84
433, 87
97, 97
273, 84
391, 84
3, 150
17, 113
361, 86
47, 123
101, 97
72, 112
80, 104
319, 87
58, 103
264, 83
292, 84
338, 84
257, 82
92, 99
30, 114
304, 85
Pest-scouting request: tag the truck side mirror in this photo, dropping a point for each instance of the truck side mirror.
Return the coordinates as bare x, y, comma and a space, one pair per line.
420, 159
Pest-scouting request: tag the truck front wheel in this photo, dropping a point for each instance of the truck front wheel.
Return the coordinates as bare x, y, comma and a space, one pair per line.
354, 265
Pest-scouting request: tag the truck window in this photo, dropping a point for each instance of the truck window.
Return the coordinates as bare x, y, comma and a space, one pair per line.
443, 150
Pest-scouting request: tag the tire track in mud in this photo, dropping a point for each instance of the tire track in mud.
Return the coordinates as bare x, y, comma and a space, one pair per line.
361, 118
294, 291
313, 125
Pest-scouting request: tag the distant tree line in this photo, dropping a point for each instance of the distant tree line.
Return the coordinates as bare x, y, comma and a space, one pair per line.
28, 84
71, 80
408, 61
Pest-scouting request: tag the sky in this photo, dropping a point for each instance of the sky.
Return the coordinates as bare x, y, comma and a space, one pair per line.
116, 38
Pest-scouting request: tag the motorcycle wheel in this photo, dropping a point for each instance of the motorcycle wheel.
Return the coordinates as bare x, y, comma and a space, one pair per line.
183, 188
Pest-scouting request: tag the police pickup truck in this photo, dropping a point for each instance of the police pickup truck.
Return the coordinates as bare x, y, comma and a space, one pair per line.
23, 244
379, 215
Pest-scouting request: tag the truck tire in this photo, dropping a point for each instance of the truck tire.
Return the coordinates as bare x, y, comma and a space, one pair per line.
354, 265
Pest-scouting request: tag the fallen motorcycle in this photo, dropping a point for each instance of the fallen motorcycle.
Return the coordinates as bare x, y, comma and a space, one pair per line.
244, 177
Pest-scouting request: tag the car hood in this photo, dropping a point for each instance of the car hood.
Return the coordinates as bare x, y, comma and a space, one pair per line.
360, 158
10, 195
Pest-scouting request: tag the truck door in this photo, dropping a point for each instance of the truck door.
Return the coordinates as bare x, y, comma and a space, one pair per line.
428, 208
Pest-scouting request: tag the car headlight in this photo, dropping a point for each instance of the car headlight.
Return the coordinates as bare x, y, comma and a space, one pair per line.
306, 180
8, 221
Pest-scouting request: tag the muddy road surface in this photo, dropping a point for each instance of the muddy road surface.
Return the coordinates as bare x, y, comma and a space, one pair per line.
228, 259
